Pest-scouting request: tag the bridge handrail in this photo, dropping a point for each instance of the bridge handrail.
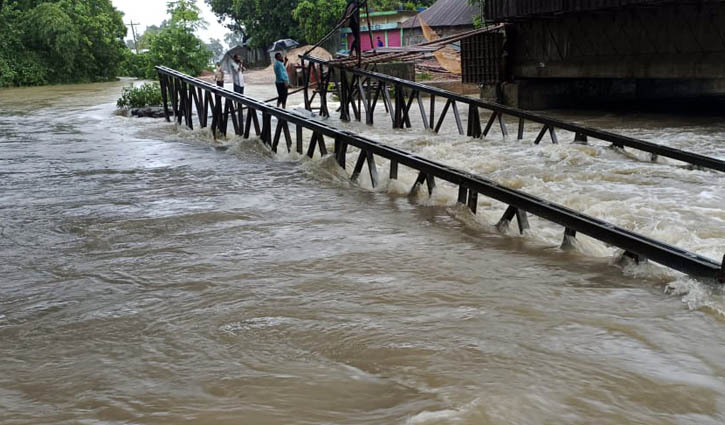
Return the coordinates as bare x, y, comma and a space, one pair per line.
617, 139
643, 246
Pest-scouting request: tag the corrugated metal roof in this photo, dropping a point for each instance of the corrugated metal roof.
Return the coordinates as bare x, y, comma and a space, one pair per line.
444, 13
499, 10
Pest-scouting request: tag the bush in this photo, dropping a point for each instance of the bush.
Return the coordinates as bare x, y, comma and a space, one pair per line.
137, 65
148, 94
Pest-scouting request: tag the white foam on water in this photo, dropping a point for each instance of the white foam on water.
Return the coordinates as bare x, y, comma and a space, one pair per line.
434, 417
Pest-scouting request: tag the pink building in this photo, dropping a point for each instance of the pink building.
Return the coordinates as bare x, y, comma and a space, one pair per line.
386, 28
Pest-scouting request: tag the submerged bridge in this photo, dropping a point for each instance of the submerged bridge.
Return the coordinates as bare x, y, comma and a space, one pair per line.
185, 97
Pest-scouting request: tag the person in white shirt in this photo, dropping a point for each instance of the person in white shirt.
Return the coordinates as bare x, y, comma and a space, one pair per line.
238, 74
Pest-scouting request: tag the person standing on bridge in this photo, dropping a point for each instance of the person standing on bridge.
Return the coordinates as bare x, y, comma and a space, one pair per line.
238, 74
219, 75
281, 79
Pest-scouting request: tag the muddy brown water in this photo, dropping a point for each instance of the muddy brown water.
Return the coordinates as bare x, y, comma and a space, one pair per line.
148, 277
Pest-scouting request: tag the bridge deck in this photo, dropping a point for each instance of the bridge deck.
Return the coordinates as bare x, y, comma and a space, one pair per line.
186, 93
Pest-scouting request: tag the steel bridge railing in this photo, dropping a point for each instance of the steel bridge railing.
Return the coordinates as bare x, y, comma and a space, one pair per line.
354, 89
183, 92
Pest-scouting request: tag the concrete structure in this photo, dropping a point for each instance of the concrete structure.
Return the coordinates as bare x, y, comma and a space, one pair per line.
445, 17
566, 53
385, 26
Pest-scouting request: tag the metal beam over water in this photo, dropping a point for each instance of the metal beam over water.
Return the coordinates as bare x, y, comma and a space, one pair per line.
181, 92
356, 84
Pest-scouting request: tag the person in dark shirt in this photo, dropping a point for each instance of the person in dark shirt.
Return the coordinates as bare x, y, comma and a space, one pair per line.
380, 42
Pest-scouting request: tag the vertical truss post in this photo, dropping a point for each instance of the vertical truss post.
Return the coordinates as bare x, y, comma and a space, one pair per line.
457, 116
164, 96
521, 129
299, 139
423, 115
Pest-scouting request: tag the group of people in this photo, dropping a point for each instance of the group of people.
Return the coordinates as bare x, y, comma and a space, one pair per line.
238, 69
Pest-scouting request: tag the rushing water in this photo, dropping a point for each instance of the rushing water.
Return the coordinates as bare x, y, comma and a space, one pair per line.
147, 277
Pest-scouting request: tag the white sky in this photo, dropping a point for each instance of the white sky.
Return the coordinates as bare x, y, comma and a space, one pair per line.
152, 12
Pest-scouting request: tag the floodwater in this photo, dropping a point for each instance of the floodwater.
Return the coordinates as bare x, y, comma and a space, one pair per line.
147, 277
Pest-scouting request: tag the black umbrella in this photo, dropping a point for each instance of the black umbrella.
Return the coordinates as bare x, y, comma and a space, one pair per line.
284, 44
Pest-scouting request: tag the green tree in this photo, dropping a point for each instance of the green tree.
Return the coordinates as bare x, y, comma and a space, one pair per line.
144, 40
176, 45
234, 38
217, 49
317, 17
266, 21
59, 41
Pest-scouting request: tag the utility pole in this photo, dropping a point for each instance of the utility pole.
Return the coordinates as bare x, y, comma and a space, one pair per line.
133, 31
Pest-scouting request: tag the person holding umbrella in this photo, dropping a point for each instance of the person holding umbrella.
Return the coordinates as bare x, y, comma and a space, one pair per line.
238, 74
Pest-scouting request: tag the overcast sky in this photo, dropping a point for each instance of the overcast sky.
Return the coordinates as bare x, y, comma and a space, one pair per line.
152, 12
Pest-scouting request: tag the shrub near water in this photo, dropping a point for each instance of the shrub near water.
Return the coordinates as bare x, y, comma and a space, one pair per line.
148, 94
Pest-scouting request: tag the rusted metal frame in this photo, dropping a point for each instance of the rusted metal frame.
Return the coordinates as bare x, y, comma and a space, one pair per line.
509, 214
656, 251
443, 115
432, 110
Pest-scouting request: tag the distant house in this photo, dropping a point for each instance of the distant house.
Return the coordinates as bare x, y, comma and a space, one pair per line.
251, 57
445, 17
386, 26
